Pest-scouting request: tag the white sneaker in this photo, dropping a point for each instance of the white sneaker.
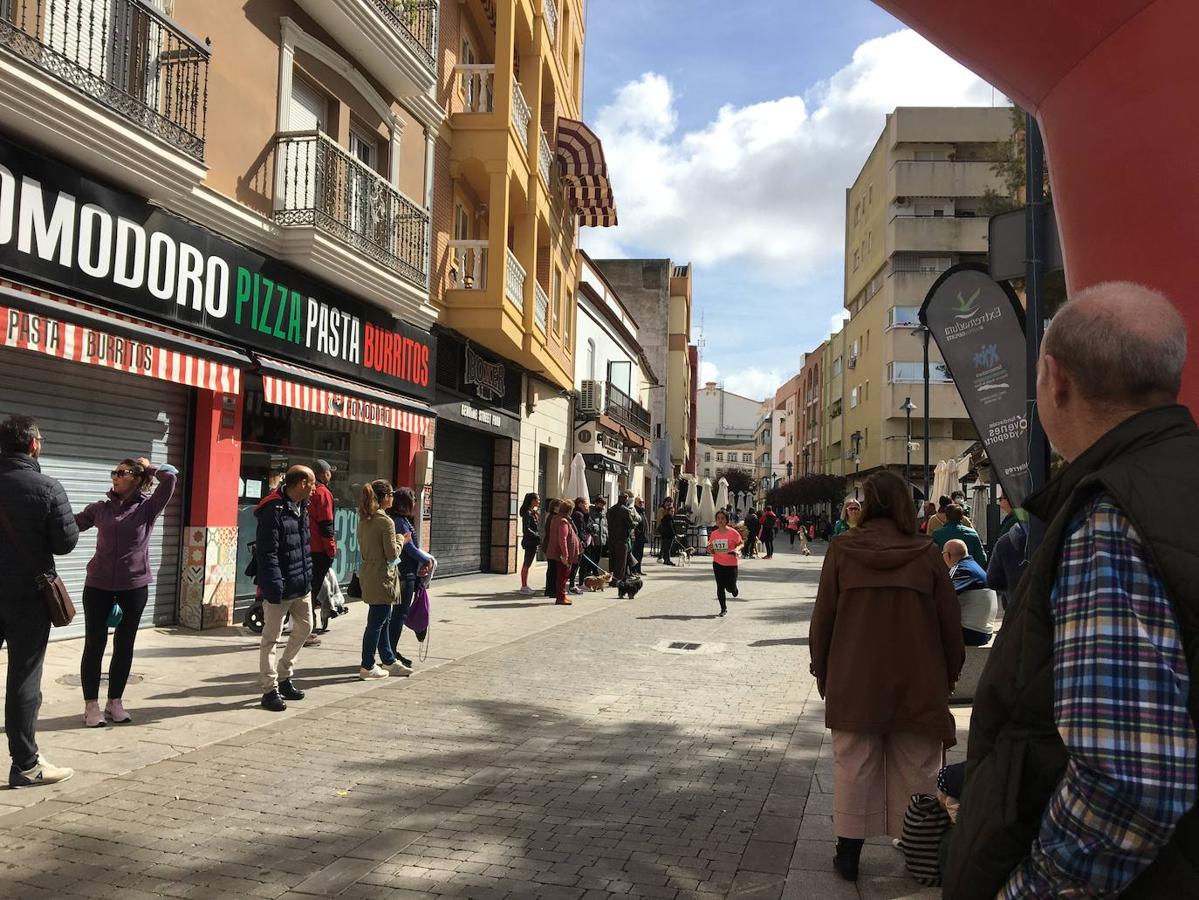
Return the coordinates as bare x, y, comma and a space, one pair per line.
526, 590
399, 669
43, 772
372, 673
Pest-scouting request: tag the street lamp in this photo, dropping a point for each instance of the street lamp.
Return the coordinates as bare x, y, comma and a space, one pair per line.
909, 407
926, 334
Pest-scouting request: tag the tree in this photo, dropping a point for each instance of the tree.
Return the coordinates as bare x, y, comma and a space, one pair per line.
739, 480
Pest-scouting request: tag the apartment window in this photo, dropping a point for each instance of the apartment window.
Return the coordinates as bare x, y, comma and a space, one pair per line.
707, 472
932, 155
720, 456
747, 457
707, 456
836, 367
866, 391
590, 360
855, 349
568, 318
903, 317
935, 208
853, 398
913, 372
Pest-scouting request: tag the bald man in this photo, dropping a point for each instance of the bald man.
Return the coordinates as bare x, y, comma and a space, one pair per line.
285, 580
1083, 759
970, 584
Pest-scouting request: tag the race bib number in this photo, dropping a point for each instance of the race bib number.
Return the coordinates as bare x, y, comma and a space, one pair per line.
720, 544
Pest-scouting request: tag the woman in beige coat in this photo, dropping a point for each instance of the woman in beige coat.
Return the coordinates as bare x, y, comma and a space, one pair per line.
380, 547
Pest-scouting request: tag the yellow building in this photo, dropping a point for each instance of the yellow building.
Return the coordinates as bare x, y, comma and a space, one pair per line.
678, 362
912, 213
506, 196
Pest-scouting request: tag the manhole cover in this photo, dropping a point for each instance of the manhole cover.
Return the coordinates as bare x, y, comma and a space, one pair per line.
691, 648
74, 681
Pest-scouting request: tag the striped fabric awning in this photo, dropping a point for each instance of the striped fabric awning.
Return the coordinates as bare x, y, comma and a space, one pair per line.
585, 174
295, 387
92, 345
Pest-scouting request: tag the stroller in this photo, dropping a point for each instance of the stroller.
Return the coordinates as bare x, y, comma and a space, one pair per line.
329, 600
677, 551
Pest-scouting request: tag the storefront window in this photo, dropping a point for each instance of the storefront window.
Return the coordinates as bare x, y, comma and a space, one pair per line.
274, 438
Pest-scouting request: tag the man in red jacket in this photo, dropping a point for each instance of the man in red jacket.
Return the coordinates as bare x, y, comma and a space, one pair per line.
323, 540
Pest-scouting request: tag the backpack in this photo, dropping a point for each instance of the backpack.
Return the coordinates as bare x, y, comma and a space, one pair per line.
924, 825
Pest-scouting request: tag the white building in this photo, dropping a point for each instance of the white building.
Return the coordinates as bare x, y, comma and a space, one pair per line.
613, 380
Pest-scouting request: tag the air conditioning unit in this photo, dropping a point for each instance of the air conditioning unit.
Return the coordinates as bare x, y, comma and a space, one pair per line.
587, 440
853, 362
591, 398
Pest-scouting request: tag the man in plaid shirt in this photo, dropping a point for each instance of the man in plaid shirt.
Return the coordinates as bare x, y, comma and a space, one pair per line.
1083, 749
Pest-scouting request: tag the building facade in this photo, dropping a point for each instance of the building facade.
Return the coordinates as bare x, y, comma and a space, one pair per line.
613, 381
721, 413
809, 453
515, 173
787, 405
912, 213
216, 254
658, 294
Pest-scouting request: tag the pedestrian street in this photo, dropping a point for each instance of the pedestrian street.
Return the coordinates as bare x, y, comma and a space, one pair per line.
539, 752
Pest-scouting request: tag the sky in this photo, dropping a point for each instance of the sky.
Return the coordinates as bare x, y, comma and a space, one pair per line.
731, 132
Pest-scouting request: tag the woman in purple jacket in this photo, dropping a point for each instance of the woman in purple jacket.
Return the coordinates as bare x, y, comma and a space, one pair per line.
119, 575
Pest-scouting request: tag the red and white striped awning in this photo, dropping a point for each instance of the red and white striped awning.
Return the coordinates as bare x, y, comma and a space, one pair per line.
585, 174
295, 387
92, 345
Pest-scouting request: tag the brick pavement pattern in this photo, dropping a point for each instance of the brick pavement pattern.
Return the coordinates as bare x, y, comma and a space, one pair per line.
577, 757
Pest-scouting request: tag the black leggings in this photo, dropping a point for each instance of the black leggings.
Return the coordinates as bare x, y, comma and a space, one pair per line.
530, 556
97, 604
726, 580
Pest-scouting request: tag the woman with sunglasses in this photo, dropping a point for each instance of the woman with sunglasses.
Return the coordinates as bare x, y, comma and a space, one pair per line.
851, 512
380, 547
119, 576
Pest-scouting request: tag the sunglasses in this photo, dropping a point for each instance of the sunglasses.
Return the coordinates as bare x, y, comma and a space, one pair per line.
121, 473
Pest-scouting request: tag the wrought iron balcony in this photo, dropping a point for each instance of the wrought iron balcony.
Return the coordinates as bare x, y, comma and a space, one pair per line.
549, 10
123, 53
319, 184
416, 23
545, 159
627, 411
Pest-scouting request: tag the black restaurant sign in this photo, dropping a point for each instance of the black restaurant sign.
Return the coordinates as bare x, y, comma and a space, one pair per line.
63, 229
978, 325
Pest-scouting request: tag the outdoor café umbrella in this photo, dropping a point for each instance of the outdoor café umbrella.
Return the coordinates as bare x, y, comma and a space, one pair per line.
576, 486
707, 508
722, 493
689, 500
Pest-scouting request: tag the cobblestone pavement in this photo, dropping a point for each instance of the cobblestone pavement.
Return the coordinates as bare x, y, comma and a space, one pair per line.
587, 759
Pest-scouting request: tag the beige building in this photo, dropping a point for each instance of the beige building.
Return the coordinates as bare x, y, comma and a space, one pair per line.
912, 213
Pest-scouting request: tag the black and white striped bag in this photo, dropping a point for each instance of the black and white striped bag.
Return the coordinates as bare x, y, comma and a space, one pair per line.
924, 824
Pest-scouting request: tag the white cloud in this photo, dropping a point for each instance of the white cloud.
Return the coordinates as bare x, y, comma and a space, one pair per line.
753, 382
708, 372
837, 319
763, 184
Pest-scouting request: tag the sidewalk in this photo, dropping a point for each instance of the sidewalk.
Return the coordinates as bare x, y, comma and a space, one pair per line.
190, 689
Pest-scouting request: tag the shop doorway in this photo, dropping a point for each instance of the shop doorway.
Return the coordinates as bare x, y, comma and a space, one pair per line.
460, 531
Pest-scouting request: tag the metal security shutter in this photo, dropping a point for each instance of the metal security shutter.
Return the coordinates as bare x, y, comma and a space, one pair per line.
91, 418
460, 532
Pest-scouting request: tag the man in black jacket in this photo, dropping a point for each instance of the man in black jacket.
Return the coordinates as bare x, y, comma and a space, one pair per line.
622, 520
285, 579
36, 524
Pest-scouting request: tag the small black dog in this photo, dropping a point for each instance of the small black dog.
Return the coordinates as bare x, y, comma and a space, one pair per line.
630, 586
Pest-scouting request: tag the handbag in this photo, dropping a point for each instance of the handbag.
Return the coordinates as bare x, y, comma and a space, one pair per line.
924, 825
115, 615
355, 588
252, 565
53, 592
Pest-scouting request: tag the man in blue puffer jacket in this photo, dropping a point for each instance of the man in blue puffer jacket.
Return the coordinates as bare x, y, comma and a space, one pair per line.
285, 579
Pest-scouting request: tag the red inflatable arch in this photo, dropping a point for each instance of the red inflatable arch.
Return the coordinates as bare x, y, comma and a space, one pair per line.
1115, 86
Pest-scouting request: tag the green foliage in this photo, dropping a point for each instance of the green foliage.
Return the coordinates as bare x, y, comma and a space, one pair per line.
739, 480
808, 490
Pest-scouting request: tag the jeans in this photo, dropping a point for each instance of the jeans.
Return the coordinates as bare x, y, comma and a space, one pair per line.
97, 604
301, 626
768, 540
25, 627
399, 613
377, 635
638, 553
726, 580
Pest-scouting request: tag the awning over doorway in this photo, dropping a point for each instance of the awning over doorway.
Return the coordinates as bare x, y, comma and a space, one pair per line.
585, 174
54, 325
296, 387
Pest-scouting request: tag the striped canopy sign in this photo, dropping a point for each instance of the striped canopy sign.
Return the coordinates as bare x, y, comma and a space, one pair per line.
585, 174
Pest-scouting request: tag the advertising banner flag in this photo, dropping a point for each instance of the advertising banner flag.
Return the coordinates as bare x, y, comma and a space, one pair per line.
978, 325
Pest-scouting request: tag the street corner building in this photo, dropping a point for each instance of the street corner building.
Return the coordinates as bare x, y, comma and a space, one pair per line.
242, 253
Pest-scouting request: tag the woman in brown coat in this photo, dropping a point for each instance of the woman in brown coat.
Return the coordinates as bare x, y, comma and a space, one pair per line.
886, 642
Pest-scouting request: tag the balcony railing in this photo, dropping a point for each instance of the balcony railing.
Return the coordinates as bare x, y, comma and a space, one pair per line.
543, 307
416, 22
478, 86
545, 157
549, 9
124, 54
627, 411
514, 283
321, 185
521, 117
468, 265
